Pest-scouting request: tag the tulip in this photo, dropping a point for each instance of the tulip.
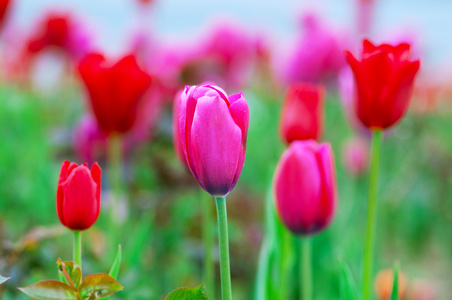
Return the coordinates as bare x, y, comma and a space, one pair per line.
78, 195
78, 200
301, 116
89, 140
213, 130
305, 197
317, 55
115, 90
305, 187
4, 7
384, 79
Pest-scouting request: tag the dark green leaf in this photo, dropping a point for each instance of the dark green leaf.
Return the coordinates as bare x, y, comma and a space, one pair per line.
71, 272
98, 286
347, 285
395, 283
50, 290
197, 293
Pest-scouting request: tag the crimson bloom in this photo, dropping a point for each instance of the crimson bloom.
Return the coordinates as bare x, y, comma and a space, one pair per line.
301, 115
115, 90
384, 79
305, 187
4, 7
78, 195
213, 129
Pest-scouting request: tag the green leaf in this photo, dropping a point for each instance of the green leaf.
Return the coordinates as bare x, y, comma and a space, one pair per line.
197, 293
114, 271
50, 290
98, 286
3, 279
347, 285
395, 283
71, 272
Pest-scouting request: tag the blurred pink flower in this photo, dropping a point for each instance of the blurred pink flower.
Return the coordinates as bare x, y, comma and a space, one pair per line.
89, 141
317, 55
226, 56
355, 155
61, 31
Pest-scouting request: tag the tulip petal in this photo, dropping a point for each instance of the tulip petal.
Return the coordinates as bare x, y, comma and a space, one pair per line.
216, 141
78, 208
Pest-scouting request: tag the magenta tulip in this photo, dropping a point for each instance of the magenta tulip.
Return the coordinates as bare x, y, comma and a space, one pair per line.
305, 187
213, 129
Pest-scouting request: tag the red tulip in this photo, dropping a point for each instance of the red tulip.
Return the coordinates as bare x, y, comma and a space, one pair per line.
115, 90
305, 187
301, 116
78, 195
4, 7
384, 79
213, 130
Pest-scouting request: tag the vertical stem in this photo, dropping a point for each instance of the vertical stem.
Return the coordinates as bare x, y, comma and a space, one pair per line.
306, 269
115, 165
226, 290
371, 214
208, 246
77, 250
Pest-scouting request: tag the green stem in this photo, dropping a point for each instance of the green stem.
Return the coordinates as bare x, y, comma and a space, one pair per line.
371, 214
209, 266
306, 269
77, 250
115, 166
226, 290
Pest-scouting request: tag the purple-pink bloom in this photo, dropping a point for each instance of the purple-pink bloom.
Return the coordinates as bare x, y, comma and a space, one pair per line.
213, 130
317, 54
305, 187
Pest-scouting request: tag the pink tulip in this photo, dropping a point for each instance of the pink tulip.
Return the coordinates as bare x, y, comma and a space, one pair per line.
213, 130
305, 187
317, 55
89, 140
355, 156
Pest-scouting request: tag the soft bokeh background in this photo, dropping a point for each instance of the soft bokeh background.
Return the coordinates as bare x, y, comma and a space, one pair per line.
161, 228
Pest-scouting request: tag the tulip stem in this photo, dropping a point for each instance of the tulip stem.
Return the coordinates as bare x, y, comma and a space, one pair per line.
371, 214
77, 251
209, 266
115, 165
306, 269
226, 290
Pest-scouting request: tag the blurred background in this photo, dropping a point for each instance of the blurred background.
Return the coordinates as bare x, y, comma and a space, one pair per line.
260, 48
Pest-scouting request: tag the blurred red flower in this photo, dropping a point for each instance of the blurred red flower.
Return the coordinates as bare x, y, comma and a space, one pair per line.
115, 90
302, 113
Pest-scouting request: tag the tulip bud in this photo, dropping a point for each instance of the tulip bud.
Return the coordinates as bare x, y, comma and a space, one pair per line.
384, 79
305, 187
78, 195
115, 90
384, 284
213, 130
355, 156
301, 115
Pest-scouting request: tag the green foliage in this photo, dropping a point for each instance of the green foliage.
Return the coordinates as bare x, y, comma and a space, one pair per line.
395, 283
347, 284
92, 287
197, 293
